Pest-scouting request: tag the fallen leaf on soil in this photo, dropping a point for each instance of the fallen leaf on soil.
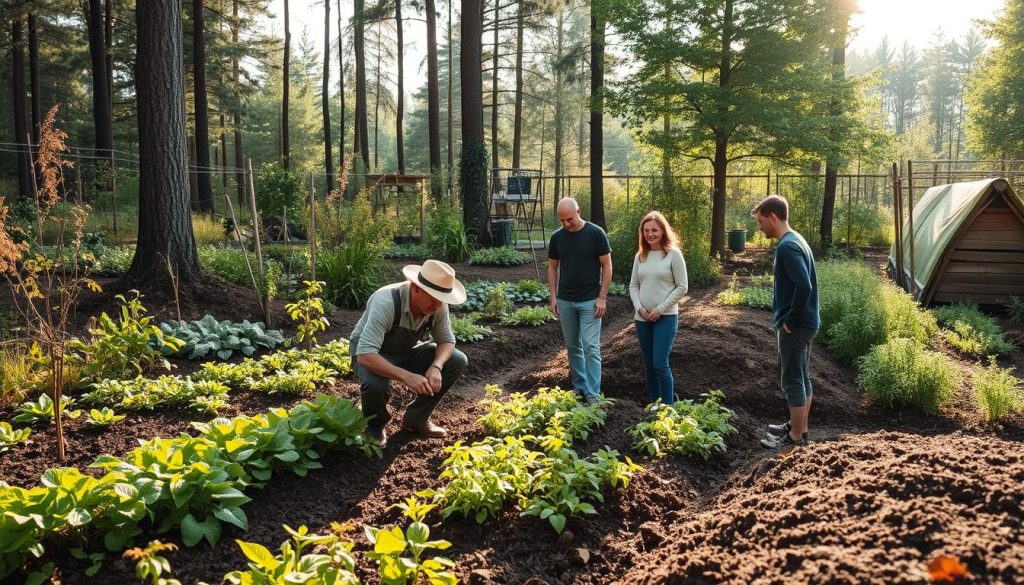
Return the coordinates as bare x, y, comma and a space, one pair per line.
584, 555
946, 568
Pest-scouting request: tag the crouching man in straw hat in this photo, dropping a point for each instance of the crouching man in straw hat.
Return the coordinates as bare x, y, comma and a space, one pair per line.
405, 335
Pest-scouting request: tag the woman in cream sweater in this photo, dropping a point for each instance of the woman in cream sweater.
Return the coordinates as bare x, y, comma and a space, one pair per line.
657, 284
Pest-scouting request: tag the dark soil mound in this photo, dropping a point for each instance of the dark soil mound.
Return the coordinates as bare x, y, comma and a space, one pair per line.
867, 509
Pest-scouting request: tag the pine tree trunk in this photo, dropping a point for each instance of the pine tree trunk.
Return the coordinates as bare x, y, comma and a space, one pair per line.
342, 153
400, 105
101, 103
559, 47
473, 159
517, 121
495, 160
325, 99
33, 76
165, 224
433, 104
362, 137
286, 148
21, 129
451, 81
236, 118
721, 162
204, 194
597, 117
376, 106
835, 111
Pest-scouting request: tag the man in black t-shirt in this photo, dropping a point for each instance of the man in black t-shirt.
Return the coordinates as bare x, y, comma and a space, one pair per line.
579, 272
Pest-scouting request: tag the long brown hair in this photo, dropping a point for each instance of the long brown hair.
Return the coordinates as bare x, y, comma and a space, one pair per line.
669, 238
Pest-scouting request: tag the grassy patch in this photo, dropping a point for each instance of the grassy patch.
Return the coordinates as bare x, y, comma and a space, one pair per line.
971, 332
902, 372
996, 391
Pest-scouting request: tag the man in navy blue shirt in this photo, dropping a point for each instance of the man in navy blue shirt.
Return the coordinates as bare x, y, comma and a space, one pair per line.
579, 273
795, 308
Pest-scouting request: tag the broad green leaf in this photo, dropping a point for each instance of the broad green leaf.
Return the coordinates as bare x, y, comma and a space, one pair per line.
259, 554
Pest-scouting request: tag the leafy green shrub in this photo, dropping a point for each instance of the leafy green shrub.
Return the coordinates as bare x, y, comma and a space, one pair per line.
351, 273
417, 252
446, 236
501, 256
496, 304
565, 482
1016, 310
334, 566
113, 259
996, 391
701, 268
11, 437
147, 394
278, 190
540, 413
529, 290
617, 289
301, 378
528, 317
685, 428
466, 329
291, 369
124, 348
208, 336
308, 314
970, 331
902, 372
41, 410
103, 418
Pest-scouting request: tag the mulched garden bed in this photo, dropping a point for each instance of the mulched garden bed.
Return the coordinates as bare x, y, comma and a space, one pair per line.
878, 495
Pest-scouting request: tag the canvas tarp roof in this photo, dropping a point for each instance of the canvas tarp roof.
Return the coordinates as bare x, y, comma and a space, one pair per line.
937, 218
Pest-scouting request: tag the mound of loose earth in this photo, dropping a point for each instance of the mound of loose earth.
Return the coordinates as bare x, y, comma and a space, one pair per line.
864, 509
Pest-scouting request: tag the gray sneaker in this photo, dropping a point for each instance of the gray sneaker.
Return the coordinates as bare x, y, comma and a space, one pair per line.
590, 400
783, 443
779, 430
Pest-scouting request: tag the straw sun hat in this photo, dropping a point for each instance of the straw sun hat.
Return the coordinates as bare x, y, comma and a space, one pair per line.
438, 280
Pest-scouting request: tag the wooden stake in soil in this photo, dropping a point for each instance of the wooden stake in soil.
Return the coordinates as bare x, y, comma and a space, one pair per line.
312, 229
241, 244
264, 298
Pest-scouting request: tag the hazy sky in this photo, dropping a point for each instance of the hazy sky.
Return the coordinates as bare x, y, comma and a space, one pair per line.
915, 21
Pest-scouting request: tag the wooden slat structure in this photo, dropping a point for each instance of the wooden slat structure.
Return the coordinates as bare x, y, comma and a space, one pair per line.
984, 263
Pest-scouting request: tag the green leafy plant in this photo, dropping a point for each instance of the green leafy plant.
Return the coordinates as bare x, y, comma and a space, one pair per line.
970, 331
278, 191
334, 566
755, 297
567, 485
302, 378
1015, 310
351, 273
400, 554
903, 372
150, 565
123, 348
685, 428
417, 252
308, 314
502, 256
446, 236
996, 391
103, 418
41, 411
95, 560
211, 404
521, 414
497, 304
529, 290
528, 317
333, 357
229, 264
11, 437
147, 394
210, 337
466, 329
23, 370
618, 289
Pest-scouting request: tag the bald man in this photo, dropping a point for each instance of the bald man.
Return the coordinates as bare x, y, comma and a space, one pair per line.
579, 272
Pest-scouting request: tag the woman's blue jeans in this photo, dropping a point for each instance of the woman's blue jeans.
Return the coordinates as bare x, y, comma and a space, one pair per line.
655, 346
582, 332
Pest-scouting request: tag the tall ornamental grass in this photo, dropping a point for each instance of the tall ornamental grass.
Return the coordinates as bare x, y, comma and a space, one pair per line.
901, 372
860, 311
996, 391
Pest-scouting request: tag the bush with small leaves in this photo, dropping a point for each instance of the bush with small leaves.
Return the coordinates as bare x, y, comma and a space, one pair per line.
1015, 310
467, 330
502, 256
755, 297
970, 331
617, 289
417, 252
996, 391
103, 418
902, 372
529, 290
528, 317
522, 414
685, 428
147, 394
11, 437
